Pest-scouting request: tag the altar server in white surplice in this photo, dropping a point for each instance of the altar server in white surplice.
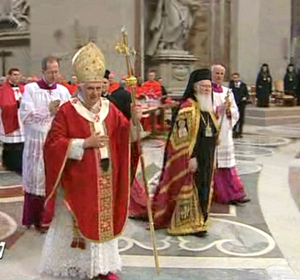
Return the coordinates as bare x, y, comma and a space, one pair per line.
40, 102
228, 188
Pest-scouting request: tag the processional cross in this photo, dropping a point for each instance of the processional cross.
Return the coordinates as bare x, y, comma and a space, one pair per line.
131, 81
4, 55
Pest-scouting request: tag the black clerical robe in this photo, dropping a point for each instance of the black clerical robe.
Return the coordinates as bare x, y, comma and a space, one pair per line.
290, 83
204, 151
263, 89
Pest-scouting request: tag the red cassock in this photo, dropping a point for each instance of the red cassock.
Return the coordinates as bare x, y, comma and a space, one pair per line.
152, 89
9, 108
113, 86
71, 88
139, 91
97, 200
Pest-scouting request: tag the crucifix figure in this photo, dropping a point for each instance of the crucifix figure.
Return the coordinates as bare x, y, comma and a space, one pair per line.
4, 55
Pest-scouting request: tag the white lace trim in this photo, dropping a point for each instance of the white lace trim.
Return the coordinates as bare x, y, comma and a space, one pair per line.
76, 151
60, 260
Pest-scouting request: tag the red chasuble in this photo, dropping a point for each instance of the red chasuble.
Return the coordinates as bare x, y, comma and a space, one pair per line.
9, 108
176, 178
98, 200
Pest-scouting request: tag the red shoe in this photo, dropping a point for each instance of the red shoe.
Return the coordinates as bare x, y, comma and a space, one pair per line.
109, 276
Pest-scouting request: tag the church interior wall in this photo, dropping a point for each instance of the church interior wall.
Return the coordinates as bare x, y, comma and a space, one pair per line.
262, 35
57, 26
20, 55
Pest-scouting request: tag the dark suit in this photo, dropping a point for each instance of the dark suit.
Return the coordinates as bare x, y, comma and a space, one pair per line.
241, 97
122, 100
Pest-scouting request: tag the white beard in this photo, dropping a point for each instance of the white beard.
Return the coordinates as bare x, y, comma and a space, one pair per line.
205, 102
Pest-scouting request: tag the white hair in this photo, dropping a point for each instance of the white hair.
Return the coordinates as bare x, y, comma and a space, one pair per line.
217, 66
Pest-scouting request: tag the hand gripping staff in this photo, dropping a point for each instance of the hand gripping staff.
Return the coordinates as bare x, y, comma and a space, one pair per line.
131, 81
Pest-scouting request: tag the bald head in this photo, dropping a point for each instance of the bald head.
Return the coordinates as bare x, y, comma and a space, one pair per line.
218, 73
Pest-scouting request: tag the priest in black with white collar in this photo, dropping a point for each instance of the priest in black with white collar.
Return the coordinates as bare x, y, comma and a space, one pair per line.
241, 96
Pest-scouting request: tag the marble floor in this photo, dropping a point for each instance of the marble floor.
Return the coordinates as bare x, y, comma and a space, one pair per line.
257, 241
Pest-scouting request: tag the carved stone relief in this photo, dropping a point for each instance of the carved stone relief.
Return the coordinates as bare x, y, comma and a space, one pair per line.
180, 72
14, 15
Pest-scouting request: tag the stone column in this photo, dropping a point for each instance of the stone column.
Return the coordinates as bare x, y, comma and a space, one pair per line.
142, 37
139, 37
219, 28
295, 30
265, 41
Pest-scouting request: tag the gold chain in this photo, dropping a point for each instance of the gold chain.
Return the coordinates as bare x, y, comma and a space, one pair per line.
205, 123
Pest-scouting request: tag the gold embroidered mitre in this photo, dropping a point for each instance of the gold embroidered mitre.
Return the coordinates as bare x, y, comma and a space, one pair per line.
89, 64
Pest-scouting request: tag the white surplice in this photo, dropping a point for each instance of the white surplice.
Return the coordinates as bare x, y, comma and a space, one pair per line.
36, 118
225, 150
59, 258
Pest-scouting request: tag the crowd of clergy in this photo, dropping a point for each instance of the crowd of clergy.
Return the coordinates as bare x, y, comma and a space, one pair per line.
51, 130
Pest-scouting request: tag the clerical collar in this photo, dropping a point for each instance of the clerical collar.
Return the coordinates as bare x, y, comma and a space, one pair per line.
44, 85
217, 88
13, 85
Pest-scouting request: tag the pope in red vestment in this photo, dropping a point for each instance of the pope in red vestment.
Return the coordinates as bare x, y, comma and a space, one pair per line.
86, 157
98, 199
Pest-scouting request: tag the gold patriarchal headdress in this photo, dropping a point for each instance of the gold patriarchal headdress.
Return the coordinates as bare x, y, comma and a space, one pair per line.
89, 64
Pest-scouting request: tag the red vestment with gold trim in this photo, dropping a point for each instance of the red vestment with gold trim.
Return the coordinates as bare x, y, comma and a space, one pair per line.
97, 200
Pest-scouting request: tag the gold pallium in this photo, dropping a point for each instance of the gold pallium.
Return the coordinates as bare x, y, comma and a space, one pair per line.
89, 64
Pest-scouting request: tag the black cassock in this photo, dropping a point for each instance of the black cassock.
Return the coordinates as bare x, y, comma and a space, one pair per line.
204, 151
290, 83
263, 89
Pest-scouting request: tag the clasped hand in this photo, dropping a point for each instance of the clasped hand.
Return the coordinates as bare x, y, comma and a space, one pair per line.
53, 106
96, 140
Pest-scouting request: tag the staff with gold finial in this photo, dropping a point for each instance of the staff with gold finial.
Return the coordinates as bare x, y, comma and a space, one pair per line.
123, 48
227, 106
